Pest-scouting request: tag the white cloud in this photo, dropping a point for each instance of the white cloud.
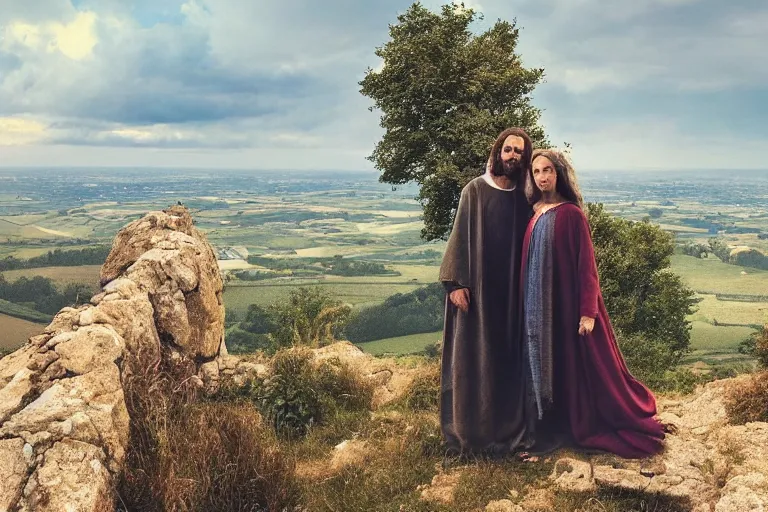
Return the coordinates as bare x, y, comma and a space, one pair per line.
19, 131
255, 83
75, 40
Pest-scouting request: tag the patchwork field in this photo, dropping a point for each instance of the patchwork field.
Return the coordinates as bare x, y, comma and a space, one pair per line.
62, 276
351, 215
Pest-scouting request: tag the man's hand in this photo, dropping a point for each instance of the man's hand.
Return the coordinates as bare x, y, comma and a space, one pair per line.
586, 325
460, 298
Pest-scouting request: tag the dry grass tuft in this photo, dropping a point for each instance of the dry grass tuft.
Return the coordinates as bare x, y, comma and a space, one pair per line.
749, 401
185, 455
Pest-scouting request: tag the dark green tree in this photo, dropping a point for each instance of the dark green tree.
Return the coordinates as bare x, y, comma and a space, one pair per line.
641, 295
719, 248
445, 94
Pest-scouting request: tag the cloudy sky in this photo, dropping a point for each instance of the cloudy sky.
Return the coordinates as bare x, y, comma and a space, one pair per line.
273, 84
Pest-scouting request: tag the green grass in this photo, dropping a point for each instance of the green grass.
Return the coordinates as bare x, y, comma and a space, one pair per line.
713, 276
708, 337
18, 311
710, 309
401, 345
356, 292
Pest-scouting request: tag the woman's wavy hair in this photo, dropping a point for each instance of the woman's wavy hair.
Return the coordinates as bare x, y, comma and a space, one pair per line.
567, 185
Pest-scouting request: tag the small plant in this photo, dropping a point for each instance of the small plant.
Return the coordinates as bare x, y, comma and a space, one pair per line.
300, 393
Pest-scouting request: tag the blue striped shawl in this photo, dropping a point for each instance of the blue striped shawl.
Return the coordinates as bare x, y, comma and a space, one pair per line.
537, 304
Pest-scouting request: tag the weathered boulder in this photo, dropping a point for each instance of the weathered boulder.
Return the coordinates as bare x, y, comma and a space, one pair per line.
64, 425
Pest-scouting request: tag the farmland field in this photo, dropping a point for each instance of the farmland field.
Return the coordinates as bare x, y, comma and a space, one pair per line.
88, 274
352, 215
16, 331
401, 345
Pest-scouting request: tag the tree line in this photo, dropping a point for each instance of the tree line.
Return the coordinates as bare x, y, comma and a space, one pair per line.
59, 258
41, 293
751, 258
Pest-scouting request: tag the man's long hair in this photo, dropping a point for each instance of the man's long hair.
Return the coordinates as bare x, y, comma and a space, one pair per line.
495, 165
567, 186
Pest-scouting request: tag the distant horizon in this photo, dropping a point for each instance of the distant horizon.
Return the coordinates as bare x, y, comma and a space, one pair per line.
117, 168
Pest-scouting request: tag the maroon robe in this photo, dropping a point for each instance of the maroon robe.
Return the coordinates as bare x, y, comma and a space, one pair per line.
597, 403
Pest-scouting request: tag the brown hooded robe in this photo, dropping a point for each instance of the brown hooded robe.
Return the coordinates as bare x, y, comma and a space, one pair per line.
483, 384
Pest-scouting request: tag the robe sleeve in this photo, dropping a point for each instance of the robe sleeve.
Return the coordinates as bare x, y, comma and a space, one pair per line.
454, 270
586, 265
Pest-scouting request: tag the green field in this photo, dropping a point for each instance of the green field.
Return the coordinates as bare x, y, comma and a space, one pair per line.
712, 276
354, 291
401, 345
25, 313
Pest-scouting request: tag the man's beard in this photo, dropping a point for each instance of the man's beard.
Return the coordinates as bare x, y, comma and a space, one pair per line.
510, 168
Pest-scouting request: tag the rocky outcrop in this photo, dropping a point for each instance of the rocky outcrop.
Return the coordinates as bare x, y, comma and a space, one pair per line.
719, 467
63, 419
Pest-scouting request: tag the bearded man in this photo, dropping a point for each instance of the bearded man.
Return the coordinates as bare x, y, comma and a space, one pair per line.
483, 386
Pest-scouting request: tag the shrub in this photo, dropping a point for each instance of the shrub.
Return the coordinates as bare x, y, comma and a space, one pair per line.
761, 347
300, 393
749, 401
186, 455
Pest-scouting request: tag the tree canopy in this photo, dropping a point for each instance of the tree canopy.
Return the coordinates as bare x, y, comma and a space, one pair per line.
445, 94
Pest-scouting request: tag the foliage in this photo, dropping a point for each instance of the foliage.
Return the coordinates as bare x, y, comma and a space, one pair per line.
336, 265
719, 248
59, 258
301, 393
748, 401
696, 250
244, 342
641, 295
310, 316
187, 455
757, 346
348, 267
648, 360
751, 258
401, 314
445, 94
23, 312
41, 294
653, 363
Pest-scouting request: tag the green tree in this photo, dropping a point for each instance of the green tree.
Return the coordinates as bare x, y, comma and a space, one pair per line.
309, 317
445, 94
719, 248
655, 213
641, 295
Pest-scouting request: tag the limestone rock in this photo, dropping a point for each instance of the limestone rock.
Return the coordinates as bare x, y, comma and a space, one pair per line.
71, 477
63, 419
573, 475
503, 506
440, 490
348, 453
177, 267
13, 468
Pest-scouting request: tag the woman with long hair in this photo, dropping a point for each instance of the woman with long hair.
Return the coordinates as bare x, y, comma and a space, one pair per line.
580, 390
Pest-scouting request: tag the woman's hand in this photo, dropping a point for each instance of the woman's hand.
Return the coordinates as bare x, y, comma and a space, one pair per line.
586, 325
460, 298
